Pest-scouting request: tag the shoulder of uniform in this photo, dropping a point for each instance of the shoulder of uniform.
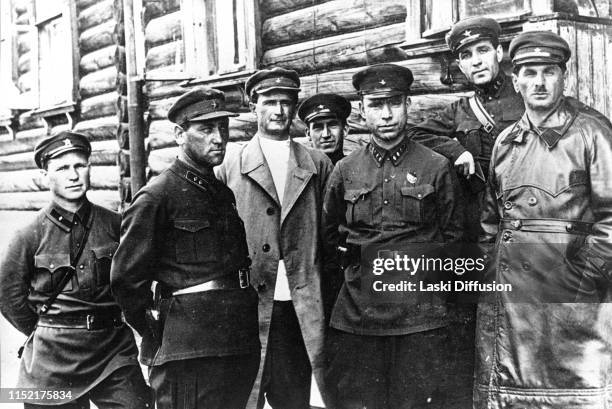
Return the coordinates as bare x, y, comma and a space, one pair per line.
428, 153
590, 116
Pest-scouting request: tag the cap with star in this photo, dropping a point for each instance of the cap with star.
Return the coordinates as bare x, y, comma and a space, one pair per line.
471, 30
199, 104
58, 144
324, 106
270, 79
539, 47
383, 80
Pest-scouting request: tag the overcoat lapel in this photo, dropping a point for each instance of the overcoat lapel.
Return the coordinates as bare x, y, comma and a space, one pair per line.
300, 169
254, 166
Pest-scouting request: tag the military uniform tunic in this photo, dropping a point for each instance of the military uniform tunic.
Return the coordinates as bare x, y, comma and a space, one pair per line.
389, 198
35, 261
181, 230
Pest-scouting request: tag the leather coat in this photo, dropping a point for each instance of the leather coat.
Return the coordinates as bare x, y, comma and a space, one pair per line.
548, 342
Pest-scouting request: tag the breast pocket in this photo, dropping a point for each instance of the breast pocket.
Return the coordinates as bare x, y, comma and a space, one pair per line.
102, 257
358, 205
50, 268
417, 204
196, 241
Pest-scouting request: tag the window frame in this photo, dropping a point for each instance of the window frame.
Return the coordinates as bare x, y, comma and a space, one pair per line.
201, 56
65, 9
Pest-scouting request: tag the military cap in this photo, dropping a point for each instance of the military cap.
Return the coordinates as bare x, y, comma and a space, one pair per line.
324, 106
471, 30
199, 104
384, 79
58, 144
274, 78
539, 47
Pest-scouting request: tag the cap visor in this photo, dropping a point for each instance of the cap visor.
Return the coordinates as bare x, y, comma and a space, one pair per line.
320, 116
383, 93
536, 60
213, 115
264, 90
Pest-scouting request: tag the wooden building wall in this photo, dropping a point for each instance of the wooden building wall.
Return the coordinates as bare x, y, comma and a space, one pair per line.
21, 184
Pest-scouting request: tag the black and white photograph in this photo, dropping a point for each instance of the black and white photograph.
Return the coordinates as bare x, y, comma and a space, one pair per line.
306, 204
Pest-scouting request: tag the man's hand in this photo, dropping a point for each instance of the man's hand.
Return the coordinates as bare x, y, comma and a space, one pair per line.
465, 164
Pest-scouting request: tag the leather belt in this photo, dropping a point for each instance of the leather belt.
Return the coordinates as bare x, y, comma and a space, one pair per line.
223, 283
90, 322
547, 225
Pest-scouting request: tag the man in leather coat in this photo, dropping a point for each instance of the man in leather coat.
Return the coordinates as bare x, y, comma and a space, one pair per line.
547, 223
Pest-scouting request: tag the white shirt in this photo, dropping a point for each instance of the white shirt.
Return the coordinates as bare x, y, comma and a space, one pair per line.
277, 156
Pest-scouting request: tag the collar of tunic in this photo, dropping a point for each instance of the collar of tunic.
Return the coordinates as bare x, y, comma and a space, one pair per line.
395, 154
65, 219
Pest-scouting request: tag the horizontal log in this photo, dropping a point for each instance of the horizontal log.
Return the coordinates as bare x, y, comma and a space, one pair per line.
330, 18
103, 154
26, 82
97, 60
164, 29
163, 89
157, 8
38, 200
343, 51
269, 8
98, 13
98, 82
24, 42
104, 128
21, 6
171, 53
97, 37
83, 4
23, 64
99, 106
32, 180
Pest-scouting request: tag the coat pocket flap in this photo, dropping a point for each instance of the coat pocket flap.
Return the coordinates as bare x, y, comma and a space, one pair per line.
107, 250
468, 125
353, 195
418, 192
191, 225
52, 262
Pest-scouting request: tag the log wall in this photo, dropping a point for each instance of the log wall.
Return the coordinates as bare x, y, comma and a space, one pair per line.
21, 184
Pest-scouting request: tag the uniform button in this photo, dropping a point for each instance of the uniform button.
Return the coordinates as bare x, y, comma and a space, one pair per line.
507, 205
60, 218
419, 195
78, 244
386, 202
82, 266
76, 222
517, 224
526, 265
266, 248
386, 180
569, 227
503, 266
52, 265
261, 286
492, 116
532, 201
507, 235
269, 211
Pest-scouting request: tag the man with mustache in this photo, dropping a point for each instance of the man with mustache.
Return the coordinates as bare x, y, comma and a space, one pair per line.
182, 232
547, 223
326, 116
54, 287
386, 350
279, 186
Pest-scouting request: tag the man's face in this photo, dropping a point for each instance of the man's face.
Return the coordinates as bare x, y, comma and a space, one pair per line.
204, 141
479, 61
275, 111
540, 85
327, 134
68, 176
385, 117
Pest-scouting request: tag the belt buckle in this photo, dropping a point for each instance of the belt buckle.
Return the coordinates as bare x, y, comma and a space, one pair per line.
488, 127
244, 277
89, 320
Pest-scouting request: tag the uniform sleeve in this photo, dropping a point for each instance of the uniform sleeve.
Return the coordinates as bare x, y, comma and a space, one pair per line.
449, 206
132, 271
597, 250
489, 218
437, 134
16, 269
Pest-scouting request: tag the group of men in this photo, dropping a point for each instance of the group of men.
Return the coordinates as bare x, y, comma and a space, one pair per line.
243, 268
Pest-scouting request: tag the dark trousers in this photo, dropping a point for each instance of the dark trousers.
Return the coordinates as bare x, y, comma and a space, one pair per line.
123, 389
430, 369
205, 383
287, 371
